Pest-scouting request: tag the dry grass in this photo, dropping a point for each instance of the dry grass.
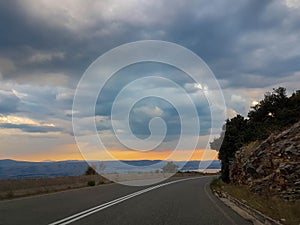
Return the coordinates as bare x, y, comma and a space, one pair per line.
24, 187
14, 188
249, 148
273, 207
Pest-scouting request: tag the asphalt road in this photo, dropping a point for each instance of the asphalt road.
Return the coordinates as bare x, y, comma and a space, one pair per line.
184, 202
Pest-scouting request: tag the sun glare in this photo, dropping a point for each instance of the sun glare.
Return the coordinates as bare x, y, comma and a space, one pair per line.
254, 103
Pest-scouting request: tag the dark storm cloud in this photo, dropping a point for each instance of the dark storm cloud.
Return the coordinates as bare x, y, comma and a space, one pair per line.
219, 38
247, 44
21, 37
217, 35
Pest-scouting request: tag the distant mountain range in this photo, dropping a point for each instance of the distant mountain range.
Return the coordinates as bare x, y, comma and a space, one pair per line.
11, 169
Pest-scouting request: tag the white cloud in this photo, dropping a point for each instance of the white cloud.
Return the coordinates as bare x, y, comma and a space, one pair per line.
42, 57
19, 94
65, 94
151, 111
237, 99
18, 120
292, 3
231, 113
193, 87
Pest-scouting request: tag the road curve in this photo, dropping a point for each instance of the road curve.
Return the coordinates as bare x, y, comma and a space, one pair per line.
184, 202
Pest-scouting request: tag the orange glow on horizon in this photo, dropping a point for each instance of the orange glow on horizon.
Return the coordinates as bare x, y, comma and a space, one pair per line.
71, 152
198, 154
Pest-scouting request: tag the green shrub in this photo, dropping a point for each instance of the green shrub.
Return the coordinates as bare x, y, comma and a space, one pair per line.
91, 183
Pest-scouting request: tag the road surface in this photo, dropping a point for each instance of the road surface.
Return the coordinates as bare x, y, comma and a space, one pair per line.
185, 202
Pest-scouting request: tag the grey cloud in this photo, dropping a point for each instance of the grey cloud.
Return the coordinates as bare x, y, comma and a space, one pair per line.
251, 43
41, 103
31, 128
9, 104
213, 33
217, 36
139, 121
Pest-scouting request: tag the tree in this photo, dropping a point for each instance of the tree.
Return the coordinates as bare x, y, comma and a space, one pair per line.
233, 140
290, 114
97, 167
91, 171
269, 114
274, 113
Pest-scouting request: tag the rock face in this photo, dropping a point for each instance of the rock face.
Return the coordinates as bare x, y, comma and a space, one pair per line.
272, 168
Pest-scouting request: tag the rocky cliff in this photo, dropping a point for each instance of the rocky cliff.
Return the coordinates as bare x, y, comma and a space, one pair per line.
272, 168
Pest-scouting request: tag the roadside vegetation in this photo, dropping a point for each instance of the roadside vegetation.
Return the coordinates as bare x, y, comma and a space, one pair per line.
286, 212
273, 114
15, 188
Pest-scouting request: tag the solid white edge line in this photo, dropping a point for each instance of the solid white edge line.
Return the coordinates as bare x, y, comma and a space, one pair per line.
95, 209
218, 207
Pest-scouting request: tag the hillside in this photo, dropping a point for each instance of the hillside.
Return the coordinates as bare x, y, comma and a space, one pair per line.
273, 114
273, 167
22, 169
11, 169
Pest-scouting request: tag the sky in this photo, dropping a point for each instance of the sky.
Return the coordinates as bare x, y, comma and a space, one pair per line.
251, 46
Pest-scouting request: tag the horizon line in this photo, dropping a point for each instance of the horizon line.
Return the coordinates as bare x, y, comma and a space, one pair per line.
94, 160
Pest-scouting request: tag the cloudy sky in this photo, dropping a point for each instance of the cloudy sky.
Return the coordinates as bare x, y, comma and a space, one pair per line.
251, 46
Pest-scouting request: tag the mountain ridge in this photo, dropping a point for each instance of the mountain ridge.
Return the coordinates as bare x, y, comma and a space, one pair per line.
13, 169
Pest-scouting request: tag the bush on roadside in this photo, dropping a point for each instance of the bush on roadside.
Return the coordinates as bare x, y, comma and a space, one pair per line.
216, 183
91, 183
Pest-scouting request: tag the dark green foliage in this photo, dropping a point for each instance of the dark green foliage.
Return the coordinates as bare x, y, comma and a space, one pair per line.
272, 114
91, 183
292, 111
90, 171
234, 138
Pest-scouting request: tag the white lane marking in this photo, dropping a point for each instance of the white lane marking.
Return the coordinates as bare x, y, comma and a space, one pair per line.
217, 206
98, 208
